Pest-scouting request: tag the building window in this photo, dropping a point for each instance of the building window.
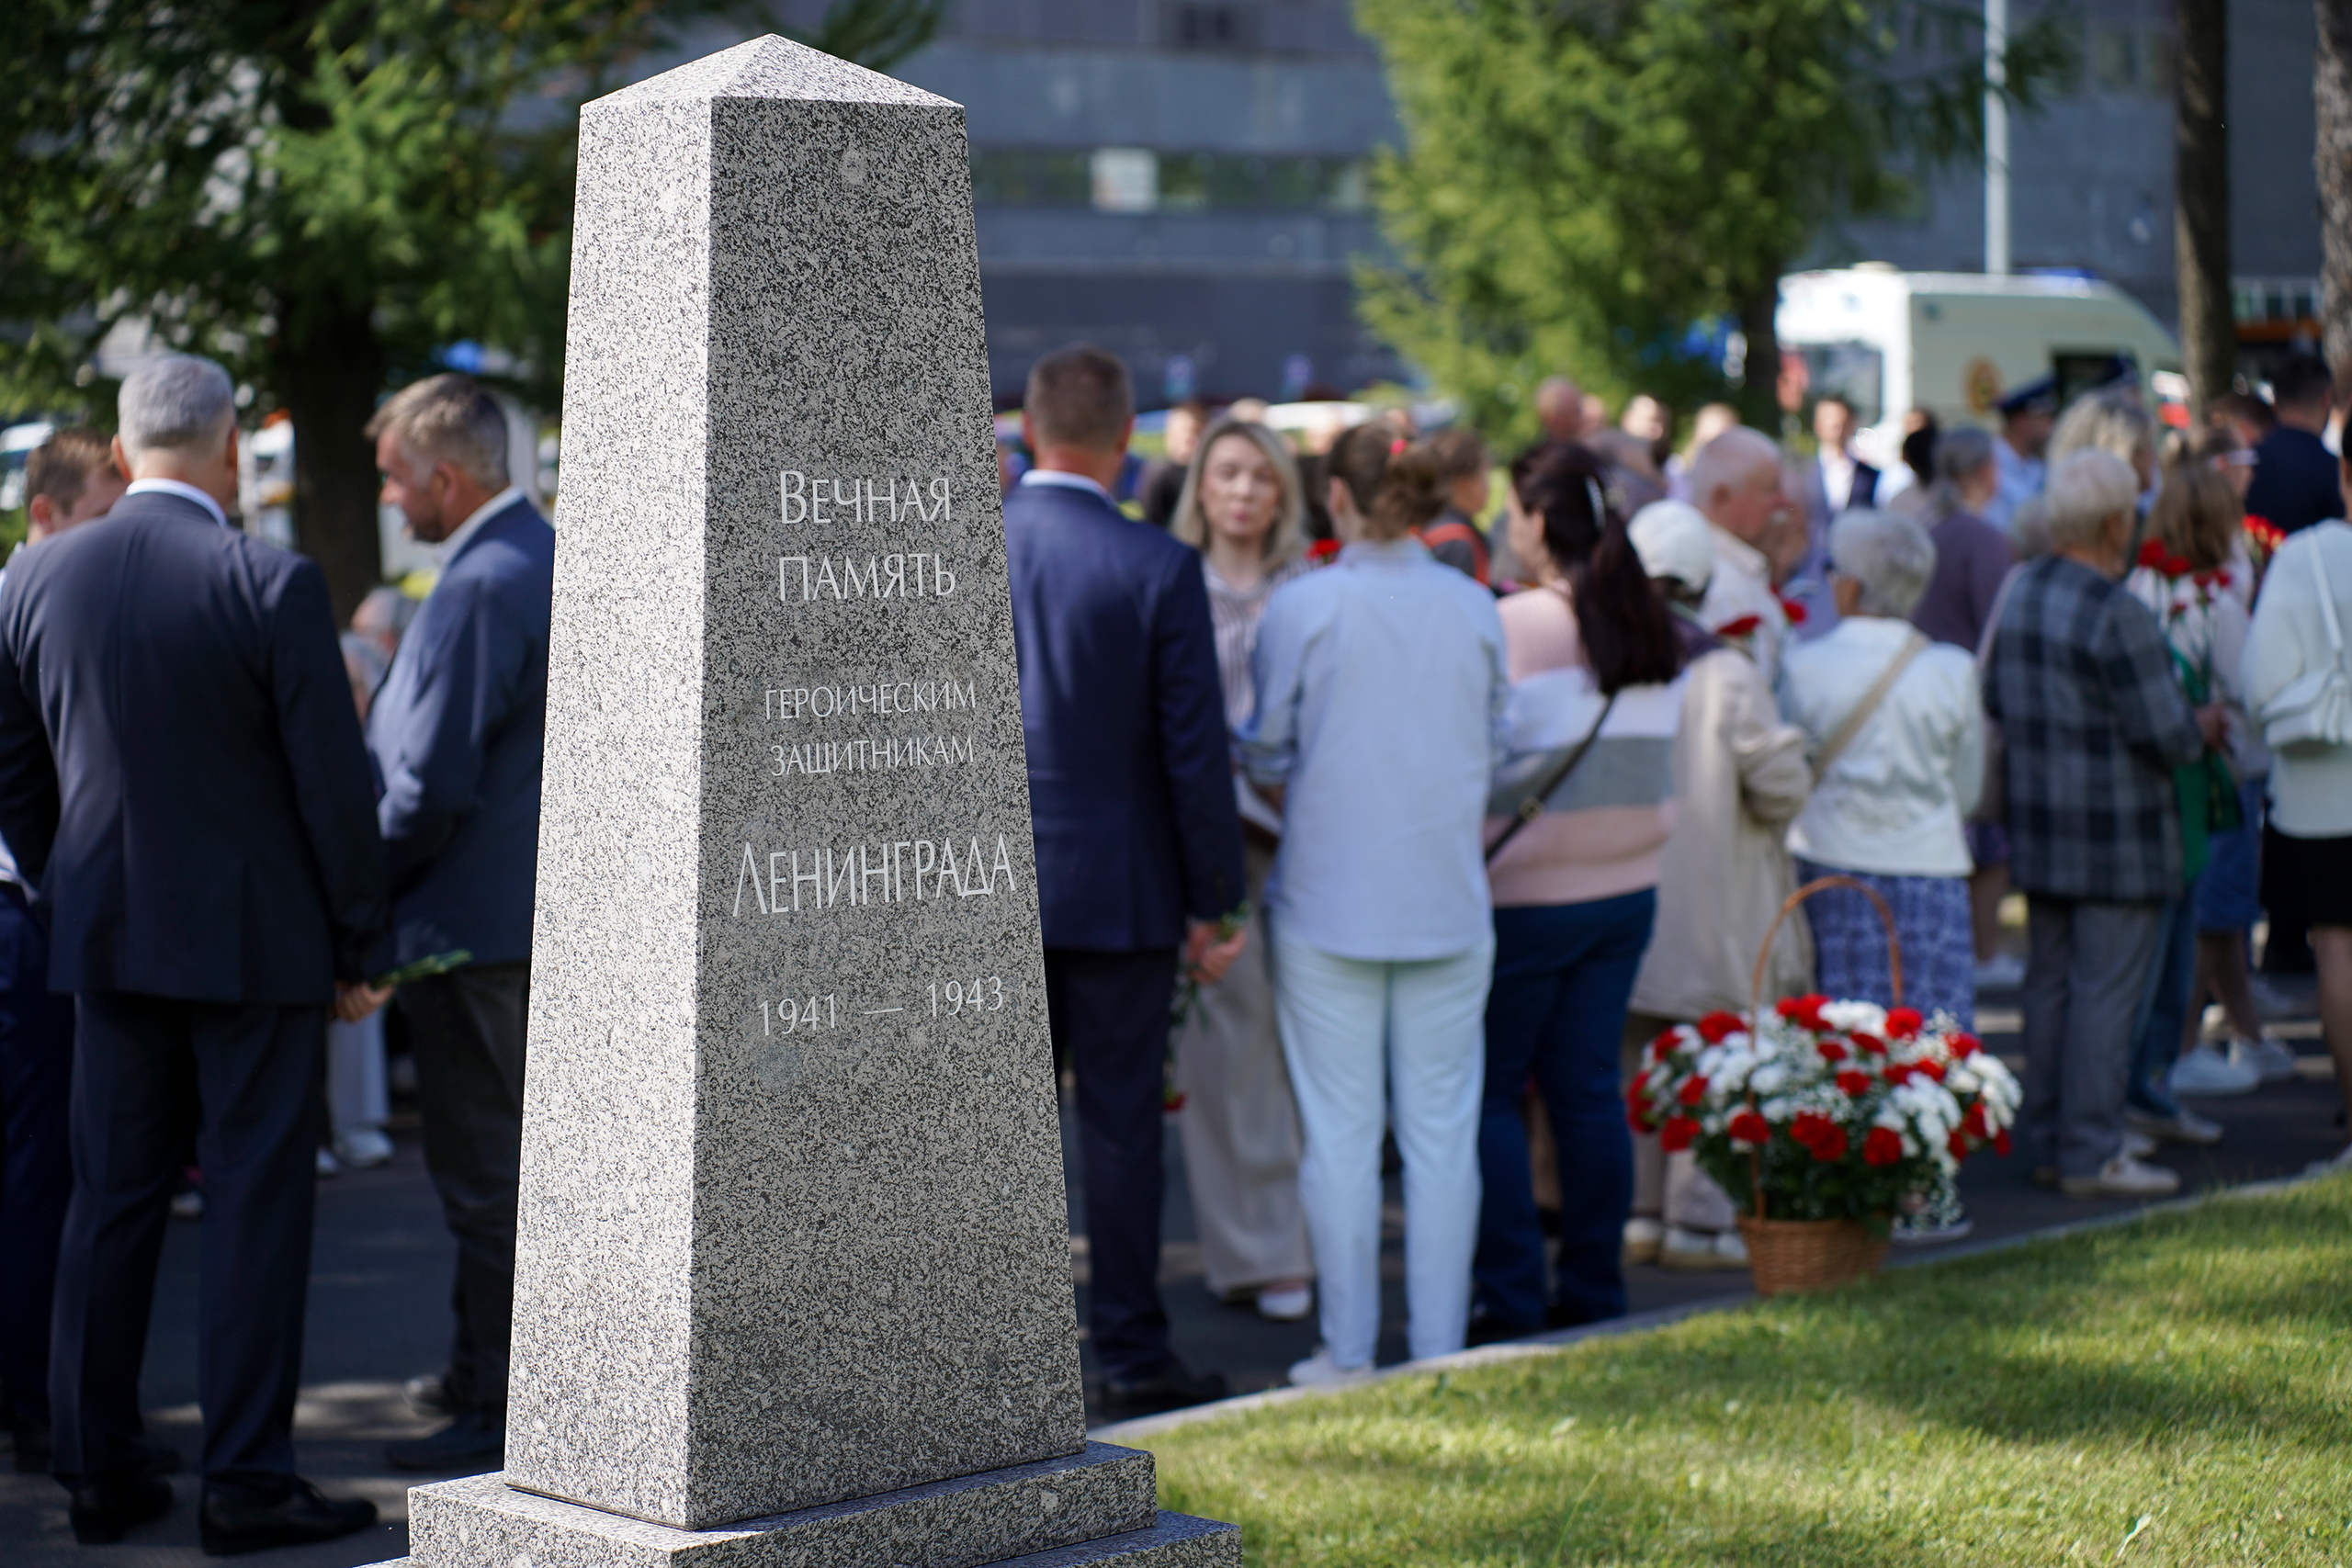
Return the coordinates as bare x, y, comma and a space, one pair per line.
1136, 180
1185, 25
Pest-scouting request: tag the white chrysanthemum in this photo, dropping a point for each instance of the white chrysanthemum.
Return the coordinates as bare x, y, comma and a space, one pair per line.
1868, 1017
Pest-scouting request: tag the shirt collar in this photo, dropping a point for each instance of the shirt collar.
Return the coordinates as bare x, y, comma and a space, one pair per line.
451, 547
1067, 482
1731, 547
185, 491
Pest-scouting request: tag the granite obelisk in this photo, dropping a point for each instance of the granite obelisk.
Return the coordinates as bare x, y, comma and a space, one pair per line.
793, 1276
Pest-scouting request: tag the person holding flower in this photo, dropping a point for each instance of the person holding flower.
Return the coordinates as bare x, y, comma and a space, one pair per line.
1594, 709
1240, 507
2190, 570
1380, 704
1898, 758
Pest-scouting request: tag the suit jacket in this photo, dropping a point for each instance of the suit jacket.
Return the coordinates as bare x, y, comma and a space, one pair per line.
458, 733
181, 771
1130, 769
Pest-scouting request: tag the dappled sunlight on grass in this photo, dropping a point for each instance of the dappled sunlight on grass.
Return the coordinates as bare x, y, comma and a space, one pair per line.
2183, 1383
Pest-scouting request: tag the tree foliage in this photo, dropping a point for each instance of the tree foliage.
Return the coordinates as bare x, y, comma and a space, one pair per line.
322, 194
1584, 182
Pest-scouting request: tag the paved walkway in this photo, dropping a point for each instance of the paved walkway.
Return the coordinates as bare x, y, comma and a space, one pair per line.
380, 1279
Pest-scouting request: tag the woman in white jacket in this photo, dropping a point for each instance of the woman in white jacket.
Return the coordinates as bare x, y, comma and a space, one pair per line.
2298, 686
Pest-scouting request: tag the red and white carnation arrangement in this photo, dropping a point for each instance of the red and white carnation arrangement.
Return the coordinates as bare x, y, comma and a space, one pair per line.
1835, 1110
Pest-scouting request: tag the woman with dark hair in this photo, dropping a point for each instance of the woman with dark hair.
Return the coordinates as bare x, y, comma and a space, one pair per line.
1380, 693
1593, 656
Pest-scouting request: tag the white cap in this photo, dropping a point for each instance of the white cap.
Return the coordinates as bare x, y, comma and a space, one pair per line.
1673, 540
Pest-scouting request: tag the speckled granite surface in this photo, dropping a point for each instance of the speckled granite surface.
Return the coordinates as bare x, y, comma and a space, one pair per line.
792, 1228
1103, 1491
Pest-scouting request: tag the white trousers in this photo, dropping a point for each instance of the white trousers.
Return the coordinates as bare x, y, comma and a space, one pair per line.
1352, 1028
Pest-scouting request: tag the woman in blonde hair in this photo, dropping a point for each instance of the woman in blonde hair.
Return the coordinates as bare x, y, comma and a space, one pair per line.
1241, 508
1380, 692
2190, 571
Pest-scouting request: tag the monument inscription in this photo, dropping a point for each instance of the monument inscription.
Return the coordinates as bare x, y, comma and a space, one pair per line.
793, 1273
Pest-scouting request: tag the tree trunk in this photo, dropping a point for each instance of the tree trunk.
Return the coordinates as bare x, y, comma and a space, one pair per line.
1758, 397
331, 374
2332, 88
2201, 202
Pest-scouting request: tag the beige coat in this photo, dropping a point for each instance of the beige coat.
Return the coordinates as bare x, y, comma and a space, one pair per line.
1740, 774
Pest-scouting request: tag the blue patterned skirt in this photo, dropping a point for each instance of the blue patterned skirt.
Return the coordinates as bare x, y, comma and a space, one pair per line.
1931, 922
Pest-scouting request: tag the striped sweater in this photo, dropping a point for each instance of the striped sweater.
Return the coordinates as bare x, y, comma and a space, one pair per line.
1602, 831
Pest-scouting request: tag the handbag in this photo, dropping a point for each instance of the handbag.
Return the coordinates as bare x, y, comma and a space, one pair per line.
1852, 724
1532, 806
2313, 711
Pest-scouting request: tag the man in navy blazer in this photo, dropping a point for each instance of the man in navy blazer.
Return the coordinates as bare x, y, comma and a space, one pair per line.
182, 777
1138, 843
457, 732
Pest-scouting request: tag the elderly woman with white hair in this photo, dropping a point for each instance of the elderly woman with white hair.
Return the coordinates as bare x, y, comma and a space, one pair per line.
2080, 679
1898, 749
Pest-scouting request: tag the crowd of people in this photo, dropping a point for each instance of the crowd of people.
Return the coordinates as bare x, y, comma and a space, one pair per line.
1436, 826
232, 834
1386, 824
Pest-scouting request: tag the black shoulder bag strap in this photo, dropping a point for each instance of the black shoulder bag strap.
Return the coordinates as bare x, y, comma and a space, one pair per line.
1532, 806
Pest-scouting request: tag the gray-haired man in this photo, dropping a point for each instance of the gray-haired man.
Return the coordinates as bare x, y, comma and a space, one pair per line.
181, 775
456, 731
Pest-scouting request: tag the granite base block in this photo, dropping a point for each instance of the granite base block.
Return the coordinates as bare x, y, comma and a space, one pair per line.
1101, 1495
1174, 1541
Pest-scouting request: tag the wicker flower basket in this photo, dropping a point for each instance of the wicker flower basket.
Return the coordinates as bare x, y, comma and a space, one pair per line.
1790, 1257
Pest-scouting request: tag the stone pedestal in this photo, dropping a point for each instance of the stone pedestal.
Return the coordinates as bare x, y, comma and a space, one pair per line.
792, 1283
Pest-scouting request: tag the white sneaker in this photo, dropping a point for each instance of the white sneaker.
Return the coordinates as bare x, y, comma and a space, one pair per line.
1286, 1303
2123, 1177
1701, 1251
363, 1149
2002, 972
2274, 1059
187, 1205
1320, 1370
2205, 1072
1644, 1236
2186, 1128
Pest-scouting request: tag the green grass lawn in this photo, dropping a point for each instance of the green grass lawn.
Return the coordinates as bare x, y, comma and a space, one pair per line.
2177, 1391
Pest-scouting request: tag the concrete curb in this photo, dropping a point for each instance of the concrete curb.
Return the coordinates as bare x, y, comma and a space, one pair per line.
1132, 1432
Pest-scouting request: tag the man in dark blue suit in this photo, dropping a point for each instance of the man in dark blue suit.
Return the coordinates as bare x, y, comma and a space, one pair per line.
457, 734
181, 775
1138, 843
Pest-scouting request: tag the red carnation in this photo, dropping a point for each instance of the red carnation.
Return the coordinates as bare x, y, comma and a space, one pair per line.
1718, 1027
1807, 1126
1930, 1068
1902, 1023
2152, 555
1792, 609
1323, 550
1694, 1090
1957, 1143
1637, 1117
1665, 1045
1855, 1084
1751, 1128
1870, 1043
2001, 1142
1676, 1134
1831, 1051
1963, 1046
1830, 1144
1971, 1121
1883, 1146
1741, 626
1804, 1010
1898, 1072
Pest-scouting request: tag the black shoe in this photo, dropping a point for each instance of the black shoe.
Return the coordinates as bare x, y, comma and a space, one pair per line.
30, 1439
104, 1510
1172, 1388
475, 1441
1486, 1329
232, 1521
429, 1396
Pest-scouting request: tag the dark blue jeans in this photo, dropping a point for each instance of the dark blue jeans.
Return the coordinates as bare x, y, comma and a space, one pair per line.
2164, 1010
1562, 974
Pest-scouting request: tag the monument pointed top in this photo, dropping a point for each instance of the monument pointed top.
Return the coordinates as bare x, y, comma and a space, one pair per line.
773, 67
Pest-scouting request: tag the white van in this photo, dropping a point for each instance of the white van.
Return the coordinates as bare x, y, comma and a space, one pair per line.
1956, 343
